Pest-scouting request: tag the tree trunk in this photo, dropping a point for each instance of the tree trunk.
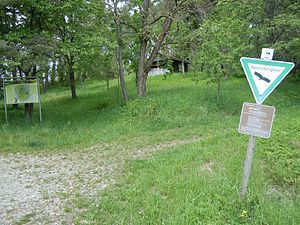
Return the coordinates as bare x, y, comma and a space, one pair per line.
14, 74
144, 68
70, 61
145, 64
46, 82
20, 72
219, 90
84, 76
165, 29
28, 111
61, 71
119, 52
54, 71
72, 81
107, 84
29, 106
122, 75
142, 77
142, 85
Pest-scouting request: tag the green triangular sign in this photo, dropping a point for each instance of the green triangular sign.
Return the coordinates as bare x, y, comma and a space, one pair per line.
264, 75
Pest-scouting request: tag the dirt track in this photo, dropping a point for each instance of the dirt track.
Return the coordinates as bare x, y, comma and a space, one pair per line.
40, 189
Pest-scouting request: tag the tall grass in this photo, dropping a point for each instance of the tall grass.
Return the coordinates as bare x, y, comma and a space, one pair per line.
99, 115
188, 184
195, 184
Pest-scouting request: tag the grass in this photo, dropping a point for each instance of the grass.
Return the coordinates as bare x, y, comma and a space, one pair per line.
196, 183
25, 219
97, 116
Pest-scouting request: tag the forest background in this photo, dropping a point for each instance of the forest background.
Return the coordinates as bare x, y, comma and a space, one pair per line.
65, 42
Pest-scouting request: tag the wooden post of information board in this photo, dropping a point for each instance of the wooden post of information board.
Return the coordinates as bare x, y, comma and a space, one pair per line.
39, 97
5, 106
247, 165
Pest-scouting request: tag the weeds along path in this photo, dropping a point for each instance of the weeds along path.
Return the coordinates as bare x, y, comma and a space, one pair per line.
40, 188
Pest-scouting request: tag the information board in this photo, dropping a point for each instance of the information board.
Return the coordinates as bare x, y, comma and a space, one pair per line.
22, 93
256, 120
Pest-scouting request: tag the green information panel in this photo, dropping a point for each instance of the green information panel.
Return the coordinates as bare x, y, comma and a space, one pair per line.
21, 93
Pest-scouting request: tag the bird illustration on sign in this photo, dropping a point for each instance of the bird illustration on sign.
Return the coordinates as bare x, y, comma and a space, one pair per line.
261, 77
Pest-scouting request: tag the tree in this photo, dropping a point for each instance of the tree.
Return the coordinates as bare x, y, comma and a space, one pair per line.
146, 59
119, 50
236, 29
77, 26
183, 39
222, 37
26, 44
279, 28
99, 65
149, 23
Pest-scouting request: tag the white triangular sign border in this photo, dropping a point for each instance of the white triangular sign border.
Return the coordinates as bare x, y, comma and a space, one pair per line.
268, 67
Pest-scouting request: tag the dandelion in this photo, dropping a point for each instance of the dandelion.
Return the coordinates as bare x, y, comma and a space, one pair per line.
244, 213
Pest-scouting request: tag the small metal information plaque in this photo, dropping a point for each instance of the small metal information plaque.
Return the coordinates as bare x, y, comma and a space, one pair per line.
256, 120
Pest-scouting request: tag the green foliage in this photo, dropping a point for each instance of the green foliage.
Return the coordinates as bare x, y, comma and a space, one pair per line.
222, 39
26, 43
218, 56
169, 66
235, 29
99, 65
279, 28
81, 31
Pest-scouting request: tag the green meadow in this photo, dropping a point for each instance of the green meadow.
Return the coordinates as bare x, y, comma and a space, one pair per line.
196, 178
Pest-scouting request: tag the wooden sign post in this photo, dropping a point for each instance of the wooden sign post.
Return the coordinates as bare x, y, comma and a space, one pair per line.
263, 76
247, 165
256, 120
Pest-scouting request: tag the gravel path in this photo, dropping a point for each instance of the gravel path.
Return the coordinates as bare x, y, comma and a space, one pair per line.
39, 188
